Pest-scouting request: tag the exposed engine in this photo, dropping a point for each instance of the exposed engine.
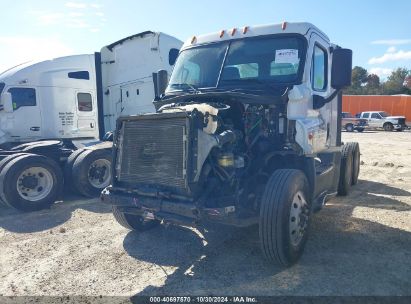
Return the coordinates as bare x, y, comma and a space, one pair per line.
211, 153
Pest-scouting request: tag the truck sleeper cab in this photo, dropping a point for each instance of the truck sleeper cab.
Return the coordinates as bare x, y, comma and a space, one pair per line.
247, 132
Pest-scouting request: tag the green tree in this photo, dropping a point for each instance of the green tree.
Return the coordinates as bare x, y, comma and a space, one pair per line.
395, 83
358, 80
373, 85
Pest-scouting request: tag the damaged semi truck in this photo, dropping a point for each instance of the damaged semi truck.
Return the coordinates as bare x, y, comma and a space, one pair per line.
247, 132
55, 116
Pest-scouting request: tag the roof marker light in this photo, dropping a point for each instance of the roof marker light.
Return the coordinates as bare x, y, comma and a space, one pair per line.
233, 31
245, 29
283, 25
222, 33
193, 39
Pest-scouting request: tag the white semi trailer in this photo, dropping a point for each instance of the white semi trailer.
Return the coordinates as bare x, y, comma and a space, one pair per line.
56, 116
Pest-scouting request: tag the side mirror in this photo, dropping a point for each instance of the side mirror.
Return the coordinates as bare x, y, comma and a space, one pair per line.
160, 82
341, 68
7, 102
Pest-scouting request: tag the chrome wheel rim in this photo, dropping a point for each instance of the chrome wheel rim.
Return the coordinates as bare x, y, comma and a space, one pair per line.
298, 221
99, 173
35, 183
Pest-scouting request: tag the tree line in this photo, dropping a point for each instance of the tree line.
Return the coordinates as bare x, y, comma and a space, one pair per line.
363, 83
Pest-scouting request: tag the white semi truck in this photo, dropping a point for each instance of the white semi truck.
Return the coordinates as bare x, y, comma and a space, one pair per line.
248, 132
56, 116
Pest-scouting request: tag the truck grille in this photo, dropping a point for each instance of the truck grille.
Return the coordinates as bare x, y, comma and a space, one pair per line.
153, 151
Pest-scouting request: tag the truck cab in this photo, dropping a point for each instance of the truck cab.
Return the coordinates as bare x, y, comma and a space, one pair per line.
247, 132
48, 100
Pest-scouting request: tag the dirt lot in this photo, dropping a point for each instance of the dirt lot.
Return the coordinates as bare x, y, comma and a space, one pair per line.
359, 245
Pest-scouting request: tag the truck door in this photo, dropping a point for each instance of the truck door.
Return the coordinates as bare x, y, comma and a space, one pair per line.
375, 121
26, 116
86, 113
320, 58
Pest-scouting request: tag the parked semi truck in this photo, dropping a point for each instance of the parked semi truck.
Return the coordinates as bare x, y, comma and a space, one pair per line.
248, 132
55, 114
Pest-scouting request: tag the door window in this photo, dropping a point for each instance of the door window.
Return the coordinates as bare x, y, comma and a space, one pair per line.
375, 115
319, 69
85, 102
366, 115
22, 97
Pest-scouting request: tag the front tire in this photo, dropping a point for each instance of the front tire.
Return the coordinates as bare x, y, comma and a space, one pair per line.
349, 127
284, 216
360, 130
133, 221
31, 182
388, 127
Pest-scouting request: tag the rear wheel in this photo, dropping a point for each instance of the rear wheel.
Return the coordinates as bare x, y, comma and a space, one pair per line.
349, 127
3, 163
92, 172
133, 221
355, 148
68, 168
284, 216
31, 182
388, 127
346, 170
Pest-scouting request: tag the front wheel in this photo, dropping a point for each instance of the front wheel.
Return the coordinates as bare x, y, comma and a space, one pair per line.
360, 130
133, 221
349, 127
284, 216
388, 127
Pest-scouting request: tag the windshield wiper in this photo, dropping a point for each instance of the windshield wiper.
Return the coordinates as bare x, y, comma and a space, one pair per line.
248, 81
187, 85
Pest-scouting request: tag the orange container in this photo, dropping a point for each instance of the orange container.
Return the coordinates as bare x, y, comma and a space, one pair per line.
392, 104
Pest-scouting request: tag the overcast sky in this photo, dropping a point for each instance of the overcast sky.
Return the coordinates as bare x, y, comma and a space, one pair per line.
379, 32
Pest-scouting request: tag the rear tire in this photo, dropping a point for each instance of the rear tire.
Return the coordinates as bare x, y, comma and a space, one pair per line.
3, 163
388, 127
92, 172
349, 127
133, 221
31, 182
346, 169
68, 169
284, 216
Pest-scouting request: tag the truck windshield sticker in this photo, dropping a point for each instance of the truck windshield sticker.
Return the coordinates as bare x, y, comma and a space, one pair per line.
286, 56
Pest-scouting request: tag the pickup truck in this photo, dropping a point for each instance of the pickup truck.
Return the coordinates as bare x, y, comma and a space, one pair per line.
381, 119
351, 123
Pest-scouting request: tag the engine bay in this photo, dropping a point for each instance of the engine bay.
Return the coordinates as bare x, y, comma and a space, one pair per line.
235, 147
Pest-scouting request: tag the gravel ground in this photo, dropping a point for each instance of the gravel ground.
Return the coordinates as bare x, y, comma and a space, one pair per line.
359, 245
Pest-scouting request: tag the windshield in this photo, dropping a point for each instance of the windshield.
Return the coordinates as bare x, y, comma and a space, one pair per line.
384, 114
262, 60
